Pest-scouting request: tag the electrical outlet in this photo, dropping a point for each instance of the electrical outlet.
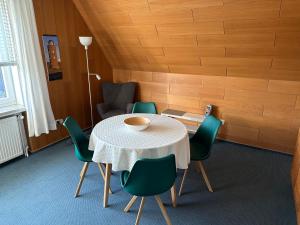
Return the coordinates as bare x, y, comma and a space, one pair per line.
59, 121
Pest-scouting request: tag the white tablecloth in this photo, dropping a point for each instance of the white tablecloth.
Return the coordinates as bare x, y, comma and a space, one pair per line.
113, 142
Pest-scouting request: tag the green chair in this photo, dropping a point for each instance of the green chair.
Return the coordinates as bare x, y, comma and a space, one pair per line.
200, 145
81, 142
144, 107
149, 177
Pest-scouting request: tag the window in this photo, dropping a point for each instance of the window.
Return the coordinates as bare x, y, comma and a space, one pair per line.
2, 87
8, 64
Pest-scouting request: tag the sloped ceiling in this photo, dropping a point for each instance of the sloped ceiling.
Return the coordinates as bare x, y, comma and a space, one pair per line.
249, 38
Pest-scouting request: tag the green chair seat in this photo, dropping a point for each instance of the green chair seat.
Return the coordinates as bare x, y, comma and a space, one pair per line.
144, 107
198, 151
85, 156
200, 146
80, 140
149, 177
81, 144
124, 177
204, 138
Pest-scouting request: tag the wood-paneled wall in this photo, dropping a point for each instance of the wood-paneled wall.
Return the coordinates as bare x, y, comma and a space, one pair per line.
258, 112
242, 56
240, 38
295, 175
69, 96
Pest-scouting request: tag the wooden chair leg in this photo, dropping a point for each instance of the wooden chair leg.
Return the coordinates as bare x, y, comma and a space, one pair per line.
198, 170
103, 175
182, 182
140, 211
205, 176
106, 184
101, 171
130, 203
82, 174
163, 210
82, 170
173, 196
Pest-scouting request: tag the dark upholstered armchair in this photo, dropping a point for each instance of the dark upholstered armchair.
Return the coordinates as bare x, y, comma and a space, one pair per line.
118, 99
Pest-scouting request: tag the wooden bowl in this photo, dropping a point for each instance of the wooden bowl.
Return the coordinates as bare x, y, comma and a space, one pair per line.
137, 123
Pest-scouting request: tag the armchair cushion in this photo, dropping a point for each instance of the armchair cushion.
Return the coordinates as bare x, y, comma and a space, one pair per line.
102, 108
118, 99
113, 112
118, 95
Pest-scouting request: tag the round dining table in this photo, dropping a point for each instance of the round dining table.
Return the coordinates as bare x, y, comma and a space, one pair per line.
119, 147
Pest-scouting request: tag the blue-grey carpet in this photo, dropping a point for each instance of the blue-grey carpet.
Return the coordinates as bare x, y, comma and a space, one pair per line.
252, 187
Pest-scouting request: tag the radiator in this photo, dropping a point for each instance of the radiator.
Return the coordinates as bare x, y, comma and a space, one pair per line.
13, 142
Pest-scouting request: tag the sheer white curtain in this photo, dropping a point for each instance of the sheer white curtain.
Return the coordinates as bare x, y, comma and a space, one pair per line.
7, 53
32, 80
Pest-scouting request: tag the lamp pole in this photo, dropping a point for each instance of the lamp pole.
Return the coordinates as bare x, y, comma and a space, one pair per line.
86, 41
89, 82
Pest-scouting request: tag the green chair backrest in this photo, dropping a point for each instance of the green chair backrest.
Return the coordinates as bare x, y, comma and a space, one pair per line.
207, 132
151, 176
144, 107
79, 138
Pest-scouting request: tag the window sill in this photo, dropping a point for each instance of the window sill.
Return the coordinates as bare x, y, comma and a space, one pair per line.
11, 110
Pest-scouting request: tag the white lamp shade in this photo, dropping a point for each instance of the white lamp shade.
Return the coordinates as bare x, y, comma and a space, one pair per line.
86, 41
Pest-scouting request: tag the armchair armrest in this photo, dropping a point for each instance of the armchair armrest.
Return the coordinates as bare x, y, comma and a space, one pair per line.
102, 108
129, 107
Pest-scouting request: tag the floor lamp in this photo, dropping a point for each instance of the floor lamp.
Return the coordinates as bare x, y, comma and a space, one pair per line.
86, 42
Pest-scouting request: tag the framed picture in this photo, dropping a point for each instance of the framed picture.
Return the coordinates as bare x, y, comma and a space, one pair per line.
52, 57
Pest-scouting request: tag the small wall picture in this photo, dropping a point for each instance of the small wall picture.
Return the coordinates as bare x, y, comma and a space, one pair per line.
52, 57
